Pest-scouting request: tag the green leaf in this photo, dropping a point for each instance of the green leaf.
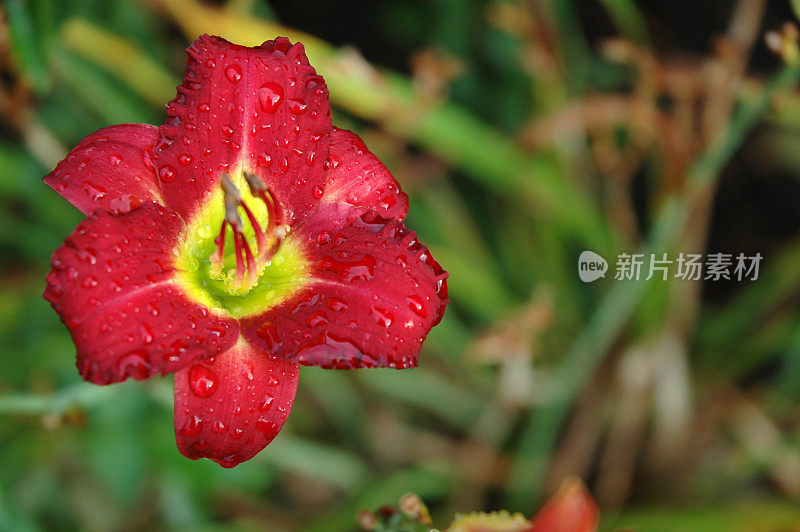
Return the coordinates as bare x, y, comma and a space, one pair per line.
27, 47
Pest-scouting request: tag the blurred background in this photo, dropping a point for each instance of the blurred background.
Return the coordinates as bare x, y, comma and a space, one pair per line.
524, 132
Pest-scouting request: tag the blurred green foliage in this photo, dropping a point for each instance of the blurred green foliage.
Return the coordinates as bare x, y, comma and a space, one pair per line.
524, 133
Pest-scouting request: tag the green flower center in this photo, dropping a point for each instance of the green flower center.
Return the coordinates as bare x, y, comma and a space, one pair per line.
234, 256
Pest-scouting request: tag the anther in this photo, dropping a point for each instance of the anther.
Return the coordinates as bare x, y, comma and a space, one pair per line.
255, 183
261, 240
232, 202
238, 240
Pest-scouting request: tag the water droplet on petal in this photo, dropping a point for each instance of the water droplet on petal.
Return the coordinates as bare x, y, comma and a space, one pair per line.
360, 270
297, 106
153, 309
336, 304
192, 427
233, 73
204, 231
416, 306
147, 334
114, 159
323, 238
383, 316
248, 371
264, 405
347, 353
95, 192
202, 381
86, 255
185, 160
134, 364
269, 96
317, 319
266, 426
388, 201
166, 174
264, 159
269, 333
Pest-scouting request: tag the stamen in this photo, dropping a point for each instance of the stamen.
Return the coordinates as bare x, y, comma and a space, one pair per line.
252, 269
255, 183
275, 221
268, 242
276, 226
238, 238
261, 240
232, 201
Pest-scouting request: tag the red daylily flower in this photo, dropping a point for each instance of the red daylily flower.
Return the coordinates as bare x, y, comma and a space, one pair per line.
244, 237
571, 509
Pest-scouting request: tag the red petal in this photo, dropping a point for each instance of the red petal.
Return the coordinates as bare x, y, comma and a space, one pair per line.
231, 406
572, 509
264, 108
109, 170
112, 284
377, 293
356, 177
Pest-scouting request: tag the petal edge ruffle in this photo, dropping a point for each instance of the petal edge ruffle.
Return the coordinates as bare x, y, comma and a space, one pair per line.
262, 109
110, 170
357, 177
